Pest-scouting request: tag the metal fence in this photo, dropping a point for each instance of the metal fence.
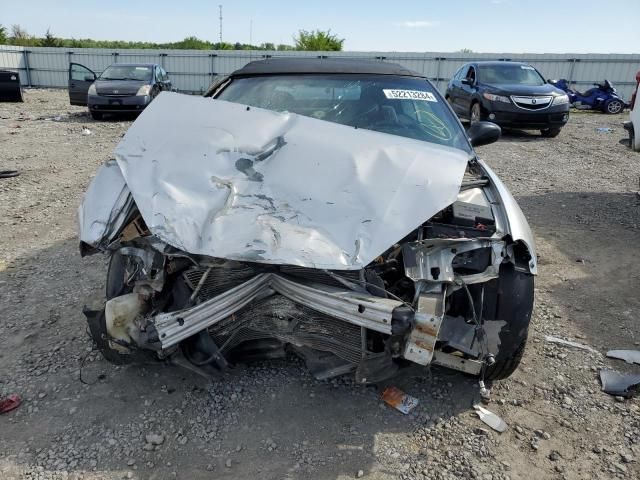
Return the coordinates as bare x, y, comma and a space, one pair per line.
194, 70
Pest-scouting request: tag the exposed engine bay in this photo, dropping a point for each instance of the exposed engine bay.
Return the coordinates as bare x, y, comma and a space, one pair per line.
455, 291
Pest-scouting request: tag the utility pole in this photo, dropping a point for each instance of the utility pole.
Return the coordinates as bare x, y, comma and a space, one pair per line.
251, 32
220, 7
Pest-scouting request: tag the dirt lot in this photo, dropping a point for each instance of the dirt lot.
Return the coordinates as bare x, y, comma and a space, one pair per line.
273, 420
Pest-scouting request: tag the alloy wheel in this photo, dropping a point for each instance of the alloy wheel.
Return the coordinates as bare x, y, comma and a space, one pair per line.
614, 107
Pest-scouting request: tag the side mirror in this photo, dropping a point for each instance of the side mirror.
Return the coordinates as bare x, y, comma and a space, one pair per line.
466, 81
89, 78
483, 133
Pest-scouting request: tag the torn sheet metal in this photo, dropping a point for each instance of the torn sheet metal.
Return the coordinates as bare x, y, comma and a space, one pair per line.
629, 356
422, 341
224, 180
399, 400
618, 384
490, 418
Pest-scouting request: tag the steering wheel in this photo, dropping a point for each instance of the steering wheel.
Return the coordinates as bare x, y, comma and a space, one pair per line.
435, 127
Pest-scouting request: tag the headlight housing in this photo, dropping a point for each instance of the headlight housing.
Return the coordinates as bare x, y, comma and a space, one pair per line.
492, 97
561, 100
92, 89
144, 90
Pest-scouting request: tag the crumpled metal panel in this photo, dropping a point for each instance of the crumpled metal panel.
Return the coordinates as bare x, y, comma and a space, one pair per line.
104, 206
224, 180
517, 225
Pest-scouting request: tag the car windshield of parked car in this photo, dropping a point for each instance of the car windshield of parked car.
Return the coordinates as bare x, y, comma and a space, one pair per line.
125, 72
509, 75
405, 106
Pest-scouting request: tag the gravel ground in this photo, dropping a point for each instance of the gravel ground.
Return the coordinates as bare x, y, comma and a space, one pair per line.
272, 420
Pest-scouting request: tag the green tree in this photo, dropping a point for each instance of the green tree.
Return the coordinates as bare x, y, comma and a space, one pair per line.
49, 40
3, 35
465, 50
19, 36
285, 47
318, 40
193, 43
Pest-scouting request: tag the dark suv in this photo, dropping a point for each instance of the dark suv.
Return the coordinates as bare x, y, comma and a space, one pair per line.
511, 94
122, 87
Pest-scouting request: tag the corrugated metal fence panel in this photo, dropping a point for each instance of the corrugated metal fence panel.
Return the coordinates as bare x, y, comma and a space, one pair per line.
194, 70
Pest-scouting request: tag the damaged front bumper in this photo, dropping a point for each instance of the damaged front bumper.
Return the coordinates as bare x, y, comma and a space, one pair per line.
305, 308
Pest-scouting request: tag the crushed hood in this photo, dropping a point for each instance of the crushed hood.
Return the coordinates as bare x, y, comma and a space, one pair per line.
224, 180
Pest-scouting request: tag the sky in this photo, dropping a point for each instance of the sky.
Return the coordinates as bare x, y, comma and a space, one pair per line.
563, 26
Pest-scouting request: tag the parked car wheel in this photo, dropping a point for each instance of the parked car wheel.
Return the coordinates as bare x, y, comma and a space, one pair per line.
96, 115
613, 106
550, 132
475, 114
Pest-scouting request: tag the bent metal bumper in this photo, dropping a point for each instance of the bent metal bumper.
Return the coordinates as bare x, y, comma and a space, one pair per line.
359, 308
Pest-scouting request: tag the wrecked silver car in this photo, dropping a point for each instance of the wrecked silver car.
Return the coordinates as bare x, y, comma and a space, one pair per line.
331, 208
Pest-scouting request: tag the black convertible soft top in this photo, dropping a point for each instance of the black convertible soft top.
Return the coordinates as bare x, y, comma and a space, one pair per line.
274, 66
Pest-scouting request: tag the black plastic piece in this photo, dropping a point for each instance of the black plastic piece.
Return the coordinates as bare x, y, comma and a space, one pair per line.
98, 329
402, 320
200, 349
376, 368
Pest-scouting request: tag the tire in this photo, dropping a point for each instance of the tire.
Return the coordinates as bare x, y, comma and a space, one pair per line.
550, 132
515, 306
613, 106
96, 115
475, 114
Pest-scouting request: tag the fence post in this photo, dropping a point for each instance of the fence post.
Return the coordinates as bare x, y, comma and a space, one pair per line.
25, 56
438, 59
115, 57
571, 69
162, 55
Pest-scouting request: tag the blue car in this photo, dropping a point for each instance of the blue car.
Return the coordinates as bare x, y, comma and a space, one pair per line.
511, 94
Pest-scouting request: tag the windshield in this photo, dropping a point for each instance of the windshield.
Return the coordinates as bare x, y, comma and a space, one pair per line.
126, 72
405, 106
509, 74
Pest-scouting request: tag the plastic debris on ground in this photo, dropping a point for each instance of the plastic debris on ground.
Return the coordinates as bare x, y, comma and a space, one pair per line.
86, 131
604, 130
619, 384
569, 343
399, 400
12, 402
491, 419
629, 356
9, 173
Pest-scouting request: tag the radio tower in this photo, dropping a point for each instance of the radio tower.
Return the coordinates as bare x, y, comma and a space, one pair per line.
220, 7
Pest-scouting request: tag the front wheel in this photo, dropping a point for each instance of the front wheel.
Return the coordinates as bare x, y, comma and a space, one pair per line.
550, 132
514, 306
613, 106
